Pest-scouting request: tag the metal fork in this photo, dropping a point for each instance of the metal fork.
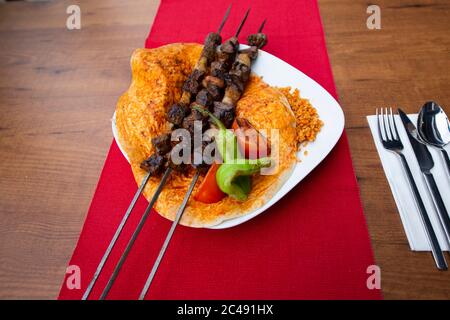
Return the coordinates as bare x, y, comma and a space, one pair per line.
387, 131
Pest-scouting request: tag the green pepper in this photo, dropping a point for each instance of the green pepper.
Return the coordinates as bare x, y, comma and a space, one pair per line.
226, 141
234, 178
234, 175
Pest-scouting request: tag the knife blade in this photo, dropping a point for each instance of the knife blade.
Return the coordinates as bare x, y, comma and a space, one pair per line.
426, 163
422, 153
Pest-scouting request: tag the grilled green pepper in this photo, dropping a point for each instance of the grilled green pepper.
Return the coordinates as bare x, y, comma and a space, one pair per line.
234, 175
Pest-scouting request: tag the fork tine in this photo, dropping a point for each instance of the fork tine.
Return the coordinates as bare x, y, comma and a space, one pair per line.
383, 117
379, 126
387, 126
395, 126
389, 120
384, 110
391, 124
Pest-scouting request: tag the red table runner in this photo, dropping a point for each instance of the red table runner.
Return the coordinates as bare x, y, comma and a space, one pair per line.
313, 244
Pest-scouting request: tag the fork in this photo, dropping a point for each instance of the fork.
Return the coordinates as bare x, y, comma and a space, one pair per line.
392, 142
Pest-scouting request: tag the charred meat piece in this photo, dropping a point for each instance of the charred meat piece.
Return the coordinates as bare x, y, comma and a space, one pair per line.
239, 75
228, 51
197, 75
220, 83
209, 49
192, 83
225, 112
233, 93
236, 82
176, 114
258, 40
204, 98
162, 143
192, 86
224, 58
230, 46
153, 164
188, 123
190, 120
219, 69
215, 92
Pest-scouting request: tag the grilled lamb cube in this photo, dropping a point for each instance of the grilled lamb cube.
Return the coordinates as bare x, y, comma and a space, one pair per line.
176, 114
162, 143
215, 92
225, 113
153, 164
189, 121
204, 98
258, 40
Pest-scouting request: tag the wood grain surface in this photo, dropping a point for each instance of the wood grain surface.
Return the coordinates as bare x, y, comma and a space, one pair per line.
58, 89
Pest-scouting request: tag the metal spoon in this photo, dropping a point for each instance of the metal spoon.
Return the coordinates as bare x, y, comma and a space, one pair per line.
434, 128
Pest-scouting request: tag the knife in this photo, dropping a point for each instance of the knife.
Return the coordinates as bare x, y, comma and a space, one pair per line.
426, 163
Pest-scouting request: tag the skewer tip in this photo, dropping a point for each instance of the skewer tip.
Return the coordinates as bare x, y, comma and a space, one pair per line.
262, 26
224, 18
242, 22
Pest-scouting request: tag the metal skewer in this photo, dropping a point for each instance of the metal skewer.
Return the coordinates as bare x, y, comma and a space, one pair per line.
179, 213
262, 26
224, 19
169, 236
261, 29
141, 223
135, 234
242, 22
115, 237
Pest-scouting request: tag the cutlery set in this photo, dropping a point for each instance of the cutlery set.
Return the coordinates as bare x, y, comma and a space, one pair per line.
433, 129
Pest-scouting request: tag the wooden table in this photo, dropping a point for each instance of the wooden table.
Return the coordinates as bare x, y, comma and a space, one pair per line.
58, 89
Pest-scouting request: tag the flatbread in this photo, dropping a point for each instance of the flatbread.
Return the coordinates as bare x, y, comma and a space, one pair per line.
157, 78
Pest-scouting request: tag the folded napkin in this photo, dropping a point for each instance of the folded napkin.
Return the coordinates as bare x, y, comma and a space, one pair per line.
312, 244
403, 196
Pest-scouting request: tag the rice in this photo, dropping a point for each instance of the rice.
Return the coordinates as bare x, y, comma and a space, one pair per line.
307, 120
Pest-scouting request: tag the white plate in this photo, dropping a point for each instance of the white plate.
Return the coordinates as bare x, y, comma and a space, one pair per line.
278, 73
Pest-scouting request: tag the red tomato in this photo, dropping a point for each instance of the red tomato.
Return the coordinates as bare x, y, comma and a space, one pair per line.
209, 191
251, 142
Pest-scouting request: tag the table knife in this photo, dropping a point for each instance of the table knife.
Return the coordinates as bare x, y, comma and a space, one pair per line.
426, 163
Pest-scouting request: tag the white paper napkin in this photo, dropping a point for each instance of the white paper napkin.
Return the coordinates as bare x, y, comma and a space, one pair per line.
409, 213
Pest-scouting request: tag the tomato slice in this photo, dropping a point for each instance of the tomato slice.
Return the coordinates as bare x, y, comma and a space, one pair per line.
251, 142
209, 191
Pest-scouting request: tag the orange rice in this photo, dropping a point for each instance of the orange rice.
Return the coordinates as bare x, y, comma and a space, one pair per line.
306, 117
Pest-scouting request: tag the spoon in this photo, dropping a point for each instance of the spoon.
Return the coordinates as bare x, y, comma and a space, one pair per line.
434, 128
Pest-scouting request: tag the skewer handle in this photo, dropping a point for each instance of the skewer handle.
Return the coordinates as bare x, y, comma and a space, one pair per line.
115, 237
169, 236
135, 234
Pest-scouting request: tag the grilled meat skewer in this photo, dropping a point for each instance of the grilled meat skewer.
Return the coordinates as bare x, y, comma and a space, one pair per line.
161, 148
179, 114
232, 94
238, 77
156, 162
192, 84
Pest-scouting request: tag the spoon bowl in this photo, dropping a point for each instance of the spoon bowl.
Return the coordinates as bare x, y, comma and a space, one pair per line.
434, 128
433, 125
